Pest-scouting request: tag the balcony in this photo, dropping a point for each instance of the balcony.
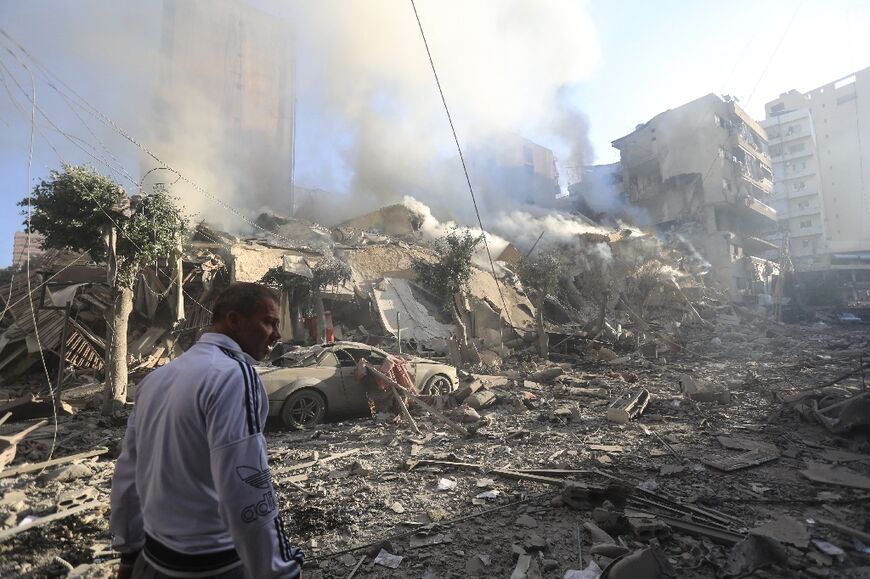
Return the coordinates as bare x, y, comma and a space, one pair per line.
751, 146
757, 246
756, 206
798, 211
762, 184
799, 229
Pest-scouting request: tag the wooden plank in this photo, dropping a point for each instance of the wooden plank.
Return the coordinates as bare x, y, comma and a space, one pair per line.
423, 461
329, 458
25, 468
453, 425
404, 410
531, 477
50, 518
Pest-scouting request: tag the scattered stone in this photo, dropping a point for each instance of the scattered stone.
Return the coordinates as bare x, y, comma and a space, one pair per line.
386, 559
526, 521
481, 399
68, 473
476, 566
14, 501
446, 484
828, 548
785, 530
535, 542
347, 560
397, 507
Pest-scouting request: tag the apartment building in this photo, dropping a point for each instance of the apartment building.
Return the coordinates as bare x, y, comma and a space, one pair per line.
818, 141
797, 185
512, 169
20, 249
702, 171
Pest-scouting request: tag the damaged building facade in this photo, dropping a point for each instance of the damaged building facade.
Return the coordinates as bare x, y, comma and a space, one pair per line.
701, 172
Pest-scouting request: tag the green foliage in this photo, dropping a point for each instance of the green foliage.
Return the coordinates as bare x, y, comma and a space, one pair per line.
277, 278
66, 208
74, 207
330, 271
452, 272
540, 272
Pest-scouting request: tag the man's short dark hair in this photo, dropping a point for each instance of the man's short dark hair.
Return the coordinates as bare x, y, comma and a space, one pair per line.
242, 297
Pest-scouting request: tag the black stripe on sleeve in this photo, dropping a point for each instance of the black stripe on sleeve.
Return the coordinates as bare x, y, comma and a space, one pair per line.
255, 393
248, 402
252, 410
282, 541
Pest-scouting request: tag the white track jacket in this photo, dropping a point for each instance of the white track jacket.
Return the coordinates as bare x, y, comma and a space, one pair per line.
192, 489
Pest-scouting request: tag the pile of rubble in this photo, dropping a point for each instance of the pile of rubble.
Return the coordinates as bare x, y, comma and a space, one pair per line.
670, 433
703, 462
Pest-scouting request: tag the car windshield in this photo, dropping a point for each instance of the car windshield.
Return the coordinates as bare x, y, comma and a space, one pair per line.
299, 358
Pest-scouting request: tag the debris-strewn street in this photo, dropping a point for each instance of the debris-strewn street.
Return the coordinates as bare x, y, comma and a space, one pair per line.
545, 484
434, 289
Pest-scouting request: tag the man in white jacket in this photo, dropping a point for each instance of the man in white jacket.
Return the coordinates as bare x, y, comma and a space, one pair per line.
192, 493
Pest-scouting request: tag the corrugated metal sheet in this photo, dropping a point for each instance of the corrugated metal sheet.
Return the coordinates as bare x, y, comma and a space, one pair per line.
50, 322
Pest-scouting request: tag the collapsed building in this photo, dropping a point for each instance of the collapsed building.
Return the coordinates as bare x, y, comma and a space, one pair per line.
701, 174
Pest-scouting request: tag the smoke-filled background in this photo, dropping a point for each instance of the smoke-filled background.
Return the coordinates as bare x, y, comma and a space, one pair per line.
242, 97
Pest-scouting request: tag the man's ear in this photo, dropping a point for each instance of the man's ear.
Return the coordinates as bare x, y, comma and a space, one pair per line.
232, 319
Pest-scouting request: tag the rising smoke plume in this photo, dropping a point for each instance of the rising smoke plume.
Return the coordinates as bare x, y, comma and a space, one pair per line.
369, 121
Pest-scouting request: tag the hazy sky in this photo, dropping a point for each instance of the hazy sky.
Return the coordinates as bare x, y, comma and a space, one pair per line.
641, 59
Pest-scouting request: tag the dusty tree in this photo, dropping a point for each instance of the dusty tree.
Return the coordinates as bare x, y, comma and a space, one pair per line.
540, 274
305, 294
82, 210
448, 278
296, 289
329, 272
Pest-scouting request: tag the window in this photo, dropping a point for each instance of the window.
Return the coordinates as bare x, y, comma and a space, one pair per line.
799, 186
346, 359
528, 155
775, 150
804, 204
806, 243
846, 98
328, 360
796, 148
777, 108
806, 223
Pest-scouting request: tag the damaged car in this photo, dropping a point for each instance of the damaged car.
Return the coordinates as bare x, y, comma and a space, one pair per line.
305, 386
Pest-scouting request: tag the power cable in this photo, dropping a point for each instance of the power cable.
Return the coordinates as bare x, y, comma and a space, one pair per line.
54, 400
90, 109
775, 50
462, 160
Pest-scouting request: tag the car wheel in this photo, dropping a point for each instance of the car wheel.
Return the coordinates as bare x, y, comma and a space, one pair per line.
303, 408
438, 384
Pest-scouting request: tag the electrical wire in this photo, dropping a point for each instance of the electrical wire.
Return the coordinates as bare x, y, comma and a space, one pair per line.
92, 110
462, 160
775, 50
55, 400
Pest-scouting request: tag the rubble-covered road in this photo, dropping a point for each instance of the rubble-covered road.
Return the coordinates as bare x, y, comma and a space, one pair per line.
370, 498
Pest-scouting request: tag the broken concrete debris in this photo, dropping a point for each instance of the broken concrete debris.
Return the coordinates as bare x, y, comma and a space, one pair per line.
628, 406
684, 435
756, 453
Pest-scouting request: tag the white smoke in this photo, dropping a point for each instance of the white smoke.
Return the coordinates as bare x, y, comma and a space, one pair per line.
519, 228
504, 66
369, 117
